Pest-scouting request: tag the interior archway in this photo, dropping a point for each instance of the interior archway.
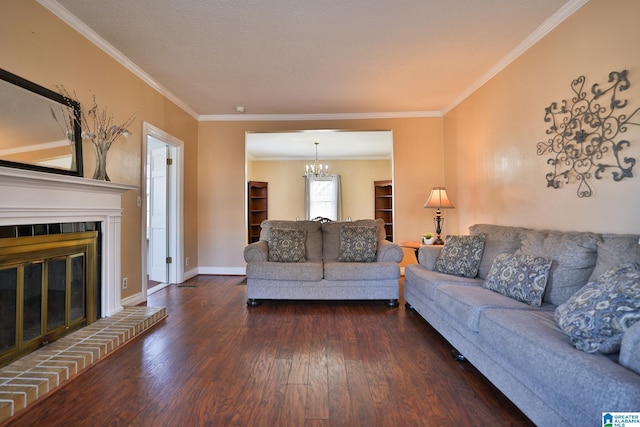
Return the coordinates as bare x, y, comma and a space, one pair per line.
279, 158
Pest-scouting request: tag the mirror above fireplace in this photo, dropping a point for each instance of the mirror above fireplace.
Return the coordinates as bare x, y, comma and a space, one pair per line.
39, 128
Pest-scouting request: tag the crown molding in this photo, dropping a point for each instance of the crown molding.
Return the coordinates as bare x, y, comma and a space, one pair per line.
82, 28
545, 28
313, 117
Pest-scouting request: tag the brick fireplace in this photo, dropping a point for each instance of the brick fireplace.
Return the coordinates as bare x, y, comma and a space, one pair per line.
30, 197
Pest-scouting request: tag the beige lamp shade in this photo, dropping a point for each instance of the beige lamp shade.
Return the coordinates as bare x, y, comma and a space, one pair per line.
438, 199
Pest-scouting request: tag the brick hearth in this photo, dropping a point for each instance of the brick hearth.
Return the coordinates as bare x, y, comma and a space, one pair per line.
25, 381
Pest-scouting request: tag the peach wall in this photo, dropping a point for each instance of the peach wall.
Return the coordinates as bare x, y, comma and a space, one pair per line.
418, 160
286, 185
38, 46
492, 169
486, 144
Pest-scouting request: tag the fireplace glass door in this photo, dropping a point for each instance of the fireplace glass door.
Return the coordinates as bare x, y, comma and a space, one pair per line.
43, 295
8, 301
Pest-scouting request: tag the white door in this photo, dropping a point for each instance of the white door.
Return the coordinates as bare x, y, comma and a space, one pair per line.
158, 236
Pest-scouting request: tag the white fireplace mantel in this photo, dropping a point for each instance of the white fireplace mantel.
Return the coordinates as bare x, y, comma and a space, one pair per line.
29, 197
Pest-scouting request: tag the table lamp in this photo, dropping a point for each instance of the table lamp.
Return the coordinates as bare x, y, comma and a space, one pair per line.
438, 199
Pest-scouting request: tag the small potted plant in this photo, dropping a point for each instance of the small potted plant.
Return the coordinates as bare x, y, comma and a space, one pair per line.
427, 238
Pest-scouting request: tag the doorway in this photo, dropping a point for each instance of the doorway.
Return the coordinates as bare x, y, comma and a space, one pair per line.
157, 194
162, 209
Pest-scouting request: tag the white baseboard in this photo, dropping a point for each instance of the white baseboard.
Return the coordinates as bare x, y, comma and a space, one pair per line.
133, 300
190, 273
226, 271
155, 289
229, 271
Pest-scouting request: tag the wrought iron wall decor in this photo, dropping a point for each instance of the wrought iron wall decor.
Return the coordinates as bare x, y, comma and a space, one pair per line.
584, 135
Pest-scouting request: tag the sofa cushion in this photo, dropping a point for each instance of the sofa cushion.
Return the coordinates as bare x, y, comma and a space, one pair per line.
427, 281
282, 271
597, 316
615, 249
461, 255
521, 277
532, 346
573, 255
313, 243
358, 243
341, 271
287, 245
499, 239
331, 235
467, 303
630, 349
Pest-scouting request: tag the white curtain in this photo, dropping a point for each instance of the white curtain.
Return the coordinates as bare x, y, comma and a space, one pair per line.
322, 197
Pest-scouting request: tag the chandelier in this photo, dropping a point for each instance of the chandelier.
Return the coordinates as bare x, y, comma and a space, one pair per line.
316, 169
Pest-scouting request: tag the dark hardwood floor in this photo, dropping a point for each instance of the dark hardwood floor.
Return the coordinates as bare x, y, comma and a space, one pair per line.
216, 362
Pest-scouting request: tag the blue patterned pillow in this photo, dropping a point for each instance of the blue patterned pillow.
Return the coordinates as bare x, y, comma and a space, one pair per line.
461, 255
521, 277
597, 316
358, 243
287, 245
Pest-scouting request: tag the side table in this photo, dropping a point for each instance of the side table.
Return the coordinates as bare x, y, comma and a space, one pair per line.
414, 244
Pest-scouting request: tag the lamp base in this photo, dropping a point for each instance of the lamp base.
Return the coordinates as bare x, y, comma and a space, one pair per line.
438, 221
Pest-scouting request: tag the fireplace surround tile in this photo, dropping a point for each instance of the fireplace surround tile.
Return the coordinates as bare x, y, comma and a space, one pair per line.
54, 228
7, 232
25, 230
28, 230
40, 230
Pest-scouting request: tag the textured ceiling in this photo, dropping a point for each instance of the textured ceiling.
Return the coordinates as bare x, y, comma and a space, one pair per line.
332, 145
289, 57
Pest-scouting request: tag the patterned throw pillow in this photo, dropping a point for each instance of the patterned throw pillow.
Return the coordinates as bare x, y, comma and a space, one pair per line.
461, 255
358, 243
521, 277
287, 245
597, 316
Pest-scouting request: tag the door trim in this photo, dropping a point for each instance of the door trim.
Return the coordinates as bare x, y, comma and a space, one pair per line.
175, 200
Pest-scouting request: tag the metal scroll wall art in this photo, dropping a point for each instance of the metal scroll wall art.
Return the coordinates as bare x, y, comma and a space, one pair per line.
585, 135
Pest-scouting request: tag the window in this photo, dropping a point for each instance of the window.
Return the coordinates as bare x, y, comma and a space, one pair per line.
322, 198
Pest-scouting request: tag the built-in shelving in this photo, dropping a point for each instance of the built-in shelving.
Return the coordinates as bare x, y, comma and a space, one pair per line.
383, 205
258, 207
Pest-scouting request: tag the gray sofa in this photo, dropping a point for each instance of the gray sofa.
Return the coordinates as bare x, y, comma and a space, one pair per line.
519, 347
321, 275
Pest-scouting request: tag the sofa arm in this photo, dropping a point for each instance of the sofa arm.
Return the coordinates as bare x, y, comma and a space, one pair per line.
630, 349
257, 251
388, 251
427, 256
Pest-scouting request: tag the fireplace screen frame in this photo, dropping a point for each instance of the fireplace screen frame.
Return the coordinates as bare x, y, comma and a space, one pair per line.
24, 251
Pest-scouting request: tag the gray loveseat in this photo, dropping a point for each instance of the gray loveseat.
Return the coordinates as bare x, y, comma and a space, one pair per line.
520, 348
321, 275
